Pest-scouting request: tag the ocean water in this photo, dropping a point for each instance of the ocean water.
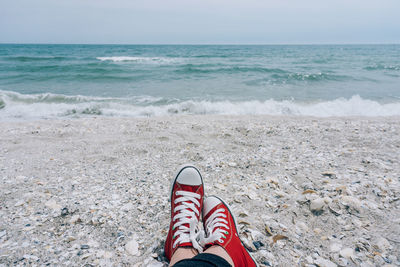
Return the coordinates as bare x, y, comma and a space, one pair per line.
69, 81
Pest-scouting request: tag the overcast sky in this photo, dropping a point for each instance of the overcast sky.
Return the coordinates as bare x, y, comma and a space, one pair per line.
200, 21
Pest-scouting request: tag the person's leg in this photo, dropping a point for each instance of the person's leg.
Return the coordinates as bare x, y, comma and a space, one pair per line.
219, 251
181, 254
187, 194
204, 260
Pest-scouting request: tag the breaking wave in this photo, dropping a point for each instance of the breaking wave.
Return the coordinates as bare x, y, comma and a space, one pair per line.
44, 106
143, 60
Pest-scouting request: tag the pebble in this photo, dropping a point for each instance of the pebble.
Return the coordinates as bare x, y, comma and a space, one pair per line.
154, 255
317, 231
132, 247
309, 259
366, 264
342, 262
379, 261
383, 244
357, 223
351, 202
93, 244
317, 205
252, 195
348, 227
3, 233
31, 257
64, 212
86, 255
329, 174
108, 254
393, 258
256, 235
321, 262
335, 247
258, 244
346, 253
302, 226
127, 207
52, 204
19, 203
70, 238
75, 219
85, 246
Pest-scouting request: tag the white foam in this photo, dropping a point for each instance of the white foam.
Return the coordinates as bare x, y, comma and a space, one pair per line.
17, 106
355, 106
148, 60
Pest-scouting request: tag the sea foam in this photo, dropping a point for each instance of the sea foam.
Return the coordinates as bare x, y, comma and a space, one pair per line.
148, 60
44, 106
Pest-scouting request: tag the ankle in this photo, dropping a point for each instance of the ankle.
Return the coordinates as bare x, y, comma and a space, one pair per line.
182, 253
221, 252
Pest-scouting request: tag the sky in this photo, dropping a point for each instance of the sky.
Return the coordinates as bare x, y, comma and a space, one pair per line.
200, 21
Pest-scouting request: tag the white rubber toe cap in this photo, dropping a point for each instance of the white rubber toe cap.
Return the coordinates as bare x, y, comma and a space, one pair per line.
209, 204
189, 175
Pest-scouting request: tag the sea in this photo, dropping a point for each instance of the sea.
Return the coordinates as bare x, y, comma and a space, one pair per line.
40, 81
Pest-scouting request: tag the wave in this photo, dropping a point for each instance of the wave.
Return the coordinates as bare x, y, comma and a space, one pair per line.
383, 67
194, 69
35, 58
73, 77
43, 106
212, 56
15, 97
277, 75
148, 60
311, 77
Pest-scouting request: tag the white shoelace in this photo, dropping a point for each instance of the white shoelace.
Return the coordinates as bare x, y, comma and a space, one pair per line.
215, 234
187, 212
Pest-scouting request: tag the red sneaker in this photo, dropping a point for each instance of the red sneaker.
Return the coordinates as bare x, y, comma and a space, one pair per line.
220, 228
187, 192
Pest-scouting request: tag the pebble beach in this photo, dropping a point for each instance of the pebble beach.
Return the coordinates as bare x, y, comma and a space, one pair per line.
305, 191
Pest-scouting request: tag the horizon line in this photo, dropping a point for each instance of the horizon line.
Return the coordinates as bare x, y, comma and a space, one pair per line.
200, 44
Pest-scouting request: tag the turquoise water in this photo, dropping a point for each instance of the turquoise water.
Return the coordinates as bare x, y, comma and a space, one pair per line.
45, 81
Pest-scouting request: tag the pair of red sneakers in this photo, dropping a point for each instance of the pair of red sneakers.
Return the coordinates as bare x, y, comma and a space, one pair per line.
187, 204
